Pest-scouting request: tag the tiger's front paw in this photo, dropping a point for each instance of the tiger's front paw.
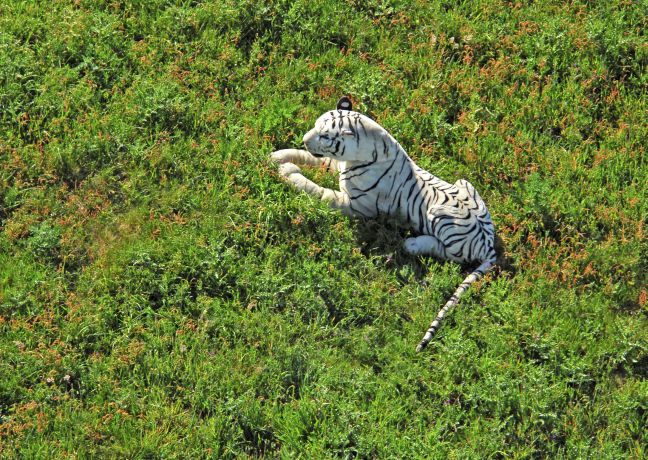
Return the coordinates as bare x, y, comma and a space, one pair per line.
279, 157
287, 169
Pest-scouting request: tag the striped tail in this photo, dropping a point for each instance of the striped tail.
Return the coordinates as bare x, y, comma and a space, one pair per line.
474, 276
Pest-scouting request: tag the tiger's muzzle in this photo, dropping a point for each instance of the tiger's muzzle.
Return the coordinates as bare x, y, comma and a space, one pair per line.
311, 141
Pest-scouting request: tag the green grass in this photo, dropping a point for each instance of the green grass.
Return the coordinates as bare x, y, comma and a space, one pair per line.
164, 294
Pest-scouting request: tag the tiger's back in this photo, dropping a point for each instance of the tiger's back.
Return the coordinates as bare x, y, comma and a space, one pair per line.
391, 183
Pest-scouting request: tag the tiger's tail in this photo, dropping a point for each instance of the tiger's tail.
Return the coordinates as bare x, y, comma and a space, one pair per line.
474, 276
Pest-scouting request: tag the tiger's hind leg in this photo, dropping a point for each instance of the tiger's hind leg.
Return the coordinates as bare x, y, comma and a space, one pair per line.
425, 245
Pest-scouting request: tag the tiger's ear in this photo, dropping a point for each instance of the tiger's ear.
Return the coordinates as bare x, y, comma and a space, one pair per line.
344, 104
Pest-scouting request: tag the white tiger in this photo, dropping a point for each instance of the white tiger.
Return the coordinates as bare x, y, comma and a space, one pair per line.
378, 177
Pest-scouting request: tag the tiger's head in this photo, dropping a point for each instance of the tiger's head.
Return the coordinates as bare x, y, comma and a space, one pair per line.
346, 135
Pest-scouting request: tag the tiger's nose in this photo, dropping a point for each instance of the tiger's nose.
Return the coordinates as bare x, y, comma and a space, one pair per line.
310, 138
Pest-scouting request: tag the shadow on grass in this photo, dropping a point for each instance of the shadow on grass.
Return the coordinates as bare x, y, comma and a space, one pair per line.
383, 237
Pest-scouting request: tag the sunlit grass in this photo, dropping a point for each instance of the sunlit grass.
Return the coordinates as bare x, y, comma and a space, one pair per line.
164, 294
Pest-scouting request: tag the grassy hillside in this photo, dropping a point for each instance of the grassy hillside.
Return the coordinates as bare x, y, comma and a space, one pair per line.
164, 294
